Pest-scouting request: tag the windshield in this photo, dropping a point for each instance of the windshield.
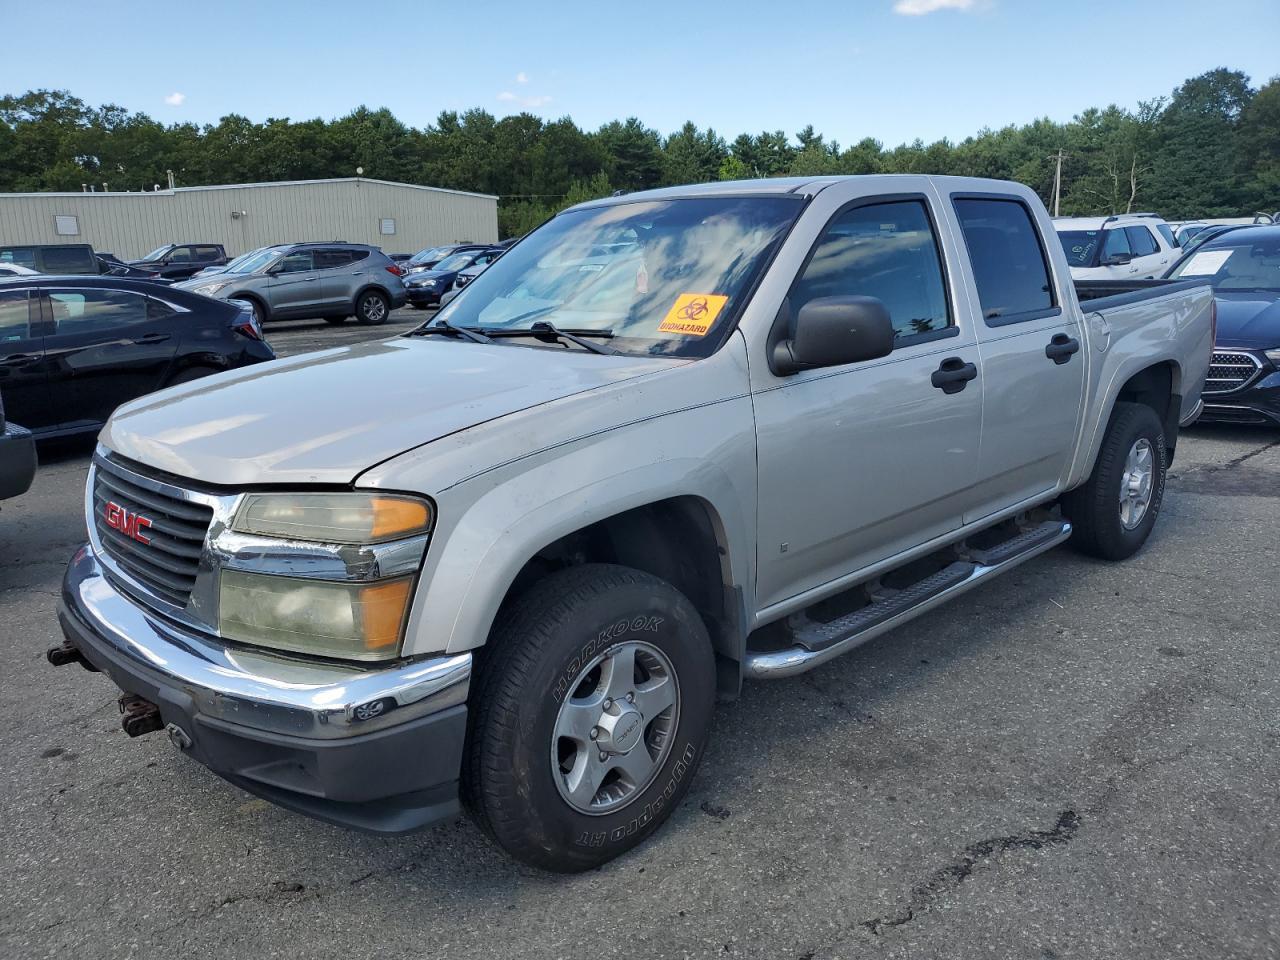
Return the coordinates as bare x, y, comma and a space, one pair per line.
456, 262
158, 252
428, 256
1080, 246
252, 262
1233, 263
666, 277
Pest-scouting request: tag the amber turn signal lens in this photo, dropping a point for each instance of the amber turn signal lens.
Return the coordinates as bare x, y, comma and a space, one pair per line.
394, 517
384, 606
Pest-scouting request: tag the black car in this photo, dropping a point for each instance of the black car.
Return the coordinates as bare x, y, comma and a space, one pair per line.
178, 261
426, 287
428, 258
113, 266
1243, 266
72, 349
17, 457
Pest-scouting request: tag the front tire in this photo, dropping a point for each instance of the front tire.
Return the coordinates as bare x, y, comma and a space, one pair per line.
372, 308
1115, 510
591, 712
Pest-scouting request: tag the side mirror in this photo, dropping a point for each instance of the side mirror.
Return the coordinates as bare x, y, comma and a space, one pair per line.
1118, 259
830, 332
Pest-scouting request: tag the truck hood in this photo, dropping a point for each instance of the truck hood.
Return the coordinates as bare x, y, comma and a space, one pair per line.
327, 417
1248, 319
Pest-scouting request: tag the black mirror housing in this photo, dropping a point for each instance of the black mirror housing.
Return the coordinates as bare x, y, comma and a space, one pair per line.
1118, 259
832, 331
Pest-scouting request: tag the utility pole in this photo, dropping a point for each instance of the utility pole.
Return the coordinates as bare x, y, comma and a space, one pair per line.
1057, 181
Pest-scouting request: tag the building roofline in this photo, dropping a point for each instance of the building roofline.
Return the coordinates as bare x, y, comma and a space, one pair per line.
244, 186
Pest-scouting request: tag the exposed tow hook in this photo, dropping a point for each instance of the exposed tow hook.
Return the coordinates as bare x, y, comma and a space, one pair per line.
67, 652
139, 716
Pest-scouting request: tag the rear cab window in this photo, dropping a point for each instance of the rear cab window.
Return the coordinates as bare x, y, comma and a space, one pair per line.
1010, 268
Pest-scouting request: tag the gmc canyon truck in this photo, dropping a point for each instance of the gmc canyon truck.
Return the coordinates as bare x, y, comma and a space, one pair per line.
668, 441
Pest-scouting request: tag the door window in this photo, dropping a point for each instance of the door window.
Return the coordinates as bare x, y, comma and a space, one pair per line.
180, 255
882, 250
22, 256
328, 259
14, 321
1009, 265
1141, 242
298, 262
67, 260
1115, 245
204, 254
95, 311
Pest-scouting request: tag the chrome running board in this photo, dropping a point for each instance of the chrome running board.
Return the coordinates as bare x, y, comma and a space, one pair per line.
819, 643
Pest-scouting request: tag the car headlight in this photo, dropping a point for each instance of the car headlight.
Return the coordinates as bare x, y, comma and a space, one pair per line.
353, 619
209, 289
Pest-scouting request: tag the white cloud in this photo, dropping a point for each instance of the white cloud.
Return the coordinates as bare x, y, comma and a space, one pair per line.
918, 8
522, 77
528, 103
176, 99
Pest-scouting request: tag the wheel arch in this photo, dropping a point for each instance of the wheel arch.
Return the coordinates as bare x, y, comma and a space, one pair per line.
1156, 384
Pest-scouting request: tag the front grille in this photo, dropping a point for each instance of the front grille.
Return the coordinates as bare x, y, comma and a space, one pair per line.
167, 565
1230, 371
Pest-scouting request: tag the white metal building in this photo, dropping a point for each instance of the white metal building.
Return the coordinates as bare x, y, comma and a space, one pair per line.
399, 217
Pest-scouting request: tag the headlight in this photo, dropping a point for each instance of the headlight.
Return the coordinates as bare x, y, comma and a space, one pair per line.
209, 289
353, 618
425, 283
333, 517
353, 621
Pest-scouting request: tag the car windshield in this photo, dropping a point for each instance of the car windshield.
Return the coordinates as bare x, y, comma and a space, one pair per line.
456, 262
253, 262
665, 277
430, 255
1233, 262
1080, 246
158, 252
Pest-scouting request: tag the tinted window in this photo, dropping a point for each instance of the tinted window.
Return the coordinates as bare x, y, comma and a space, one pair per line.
88, 311
296, 262
1141, 242
887, 251
1116, 245
1080, 246
13, 315
22, 256
67, 260
180, 255
1009, 265
327, 258
1167, 232
207, 253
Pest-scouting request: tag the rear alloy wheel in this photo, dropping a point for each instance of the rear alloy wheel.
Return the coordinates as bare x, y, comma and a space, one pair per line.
590, 711
372, 308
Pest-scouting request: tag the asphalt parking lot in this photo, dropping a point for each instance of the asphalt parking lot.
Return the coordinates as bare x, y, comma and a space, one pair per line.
1078, 761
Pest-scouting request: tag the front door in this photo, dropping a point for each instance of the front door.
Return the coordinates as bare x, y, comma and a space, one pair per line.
105, 347
860, 462
24, 378
295, 289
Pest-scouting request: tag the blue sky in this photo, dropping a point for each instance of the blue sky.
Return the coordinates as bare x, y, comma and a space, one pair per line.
891, 69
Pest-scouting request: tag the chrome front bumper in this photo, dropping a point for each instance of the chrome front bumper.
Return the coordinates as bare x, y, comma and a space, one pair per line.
375, 748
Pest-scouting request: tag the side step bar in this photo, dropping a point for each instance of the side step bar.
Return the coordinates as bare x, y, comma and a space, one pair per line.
820, 642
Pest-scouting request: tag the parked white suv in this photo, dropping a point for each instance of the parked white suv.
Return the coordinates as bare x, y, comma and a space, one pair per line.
1135, 246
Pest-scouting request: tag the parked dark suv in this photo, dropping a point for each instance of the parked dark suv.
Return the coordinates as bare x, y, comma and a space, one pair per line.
59, 258
177, 261
303, 280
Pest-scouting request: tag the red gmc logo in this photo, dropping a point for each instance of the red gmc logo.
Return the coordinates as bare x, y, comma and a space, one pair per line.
130, 524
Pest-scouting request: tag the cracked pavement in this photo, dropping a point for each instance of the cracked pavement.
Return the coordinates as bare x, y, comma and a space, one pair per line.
1079, 760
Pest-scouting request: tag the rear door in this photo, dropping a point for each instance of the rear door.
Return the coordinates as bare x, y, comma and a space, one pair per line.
104, 348
294, 288
337, 267
24, 374
1032, 357
1117, 256
1147, 256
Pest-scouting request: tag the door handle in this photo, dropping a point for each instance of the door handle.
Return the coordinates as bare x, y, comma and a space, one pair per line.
953, 375
151, 338
309, 279
1061, 348
20, 359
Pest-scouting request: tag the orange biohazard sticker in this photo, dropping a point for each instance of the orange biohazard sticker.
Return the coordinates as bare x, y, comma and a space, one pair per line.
693, 314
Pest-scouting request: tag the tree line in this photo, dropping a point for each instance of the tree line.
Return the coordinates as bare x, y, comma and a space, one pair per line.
1210, 148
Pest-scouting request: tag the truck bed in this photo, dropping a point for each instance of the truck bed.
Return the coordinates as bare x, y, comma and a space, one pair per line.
1104, 294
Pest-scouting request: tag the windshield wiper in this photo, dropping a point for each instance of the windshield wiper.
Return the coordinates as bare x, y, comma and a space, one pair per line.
444, 326
549, 332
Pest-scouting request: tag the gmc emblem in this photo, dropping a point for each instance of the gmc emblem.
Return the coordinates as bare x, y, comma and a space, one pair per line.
130, 524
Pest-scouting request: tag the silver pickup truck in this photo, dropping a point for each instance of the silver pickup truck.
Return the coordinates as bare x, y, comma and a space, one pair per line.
670, 440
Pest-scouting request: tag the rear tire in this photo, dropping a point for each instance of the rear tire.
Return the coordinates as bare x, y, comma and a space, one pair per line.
590, 713
372, 308
1116, 508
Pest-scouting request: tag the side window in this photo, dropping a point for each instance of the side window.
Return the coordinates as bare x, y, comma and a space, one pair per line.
1141, 242
67, 260
1116, 244
1167, 233
356, 255
1009, 265
179, 255
14, 321
882, 250
297, 262
328, 258
92, 311
205, 254
22, 256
